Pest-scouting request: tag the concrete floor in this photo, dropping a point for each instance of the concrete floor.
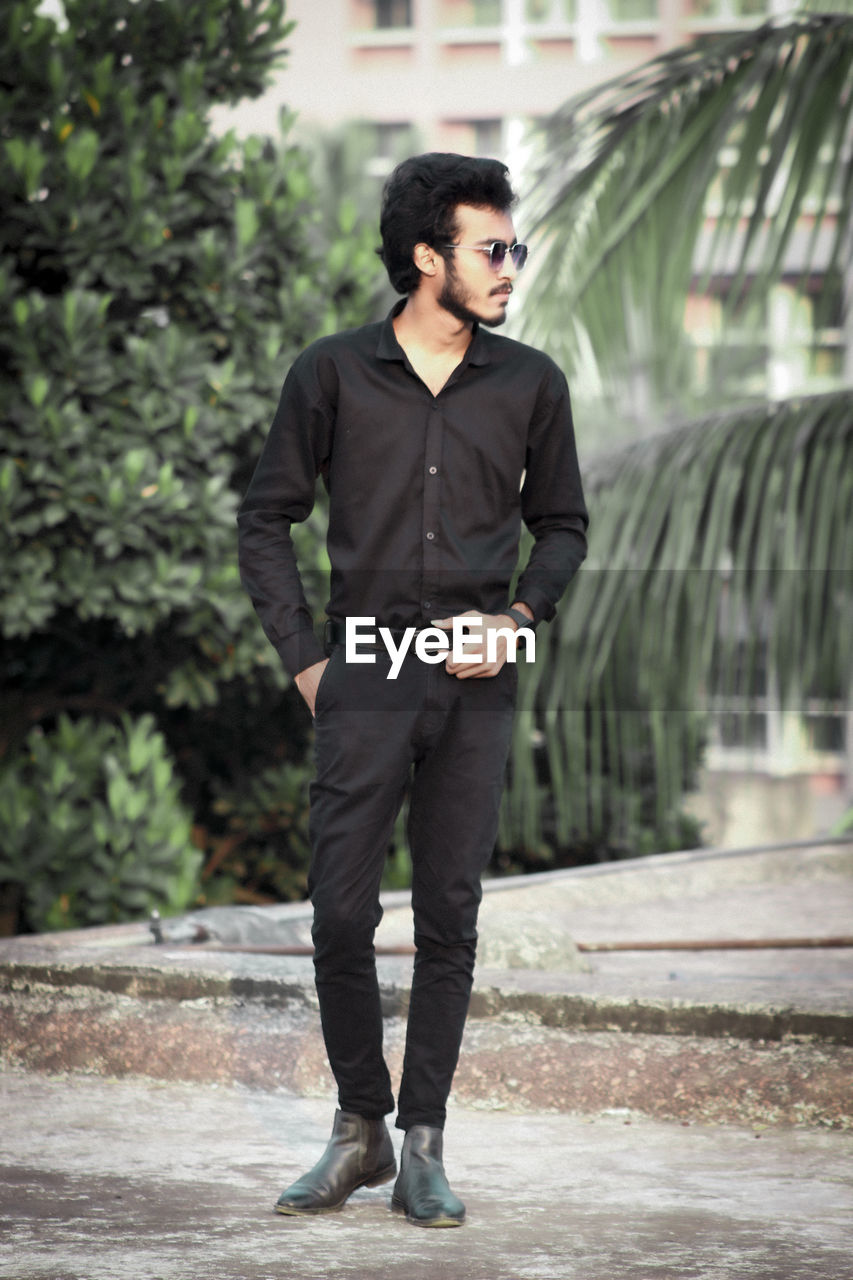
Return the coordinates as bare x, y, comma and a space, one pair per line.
106, 1179
213, 1094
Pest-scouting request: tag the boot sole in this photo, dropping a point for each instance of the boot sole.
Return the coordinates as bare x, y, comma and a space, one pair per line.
375, 1180
399, 1207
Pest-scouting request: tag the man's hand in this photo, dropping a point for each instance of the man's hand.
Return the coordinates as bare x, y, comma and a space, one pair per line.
475, 666
308, 681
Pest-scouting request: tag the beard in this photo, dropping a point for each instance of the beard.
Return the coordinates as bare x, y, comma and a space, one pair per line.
455, 301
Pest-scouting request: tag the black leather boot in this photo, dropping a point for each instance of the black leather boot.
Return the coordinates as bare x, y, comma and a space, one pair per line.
359, 1154
421, 1191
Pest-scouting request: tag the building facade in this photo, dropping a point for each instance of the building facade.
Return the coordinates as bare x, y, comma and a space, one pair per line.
469, 75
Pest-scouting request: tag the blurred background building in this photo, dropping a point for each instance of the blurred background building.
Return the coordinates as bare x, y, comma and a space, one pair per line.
474, 75
471, 75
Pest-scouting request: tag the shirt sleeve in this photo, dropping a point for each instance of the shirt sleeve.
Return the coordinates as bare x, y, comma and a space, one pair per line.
552, 501
281, 493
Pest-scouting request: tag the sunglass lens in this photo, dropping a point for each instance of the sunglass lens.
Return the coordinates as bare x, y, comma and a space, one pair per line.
499, 250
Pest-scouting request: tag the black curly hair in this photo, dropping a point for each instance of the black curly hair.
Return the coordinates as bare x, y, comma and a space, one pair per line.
419, 203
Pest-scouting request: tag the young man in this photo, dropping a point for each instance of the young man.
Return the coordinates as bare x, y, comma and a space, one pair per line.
434, 438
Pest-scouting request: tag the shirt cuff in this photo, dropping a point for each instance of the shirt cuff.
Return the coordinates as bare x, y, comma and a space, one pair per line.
299, 650
537, 602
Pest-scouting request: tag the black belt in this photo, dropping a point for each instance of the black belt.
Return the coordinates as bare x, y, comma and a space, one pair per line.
336, 633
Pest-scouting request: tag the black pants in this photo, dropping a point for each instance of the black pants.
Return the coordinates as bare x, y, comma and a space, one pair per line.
452, 736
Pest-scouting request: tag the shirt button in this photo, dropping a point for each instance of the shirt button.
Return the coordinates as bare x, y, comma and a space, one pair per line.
427, 606
433, 471
430, 536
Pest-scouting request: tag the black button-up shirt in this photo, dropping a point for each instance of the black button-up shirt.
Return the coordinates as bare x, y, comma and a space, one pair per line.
426, 493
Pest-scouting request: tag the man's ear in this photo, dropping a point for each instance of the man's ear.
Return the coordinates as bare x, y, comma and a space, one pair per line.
425, 259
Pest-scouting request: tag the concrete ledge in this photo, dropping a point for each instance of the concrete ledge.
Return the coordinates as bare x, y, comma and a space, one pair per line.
757, 1037
566, 1001
508, 1061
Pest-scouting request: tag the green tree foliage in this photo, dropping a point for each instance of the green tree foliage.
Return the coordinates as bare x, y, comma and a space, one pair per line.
94, 829
349, 182
263, 851
156, 279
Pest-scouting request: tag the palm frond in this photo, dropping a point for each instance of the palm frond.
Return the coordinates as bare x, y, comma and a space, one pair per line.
719, 552
706, 163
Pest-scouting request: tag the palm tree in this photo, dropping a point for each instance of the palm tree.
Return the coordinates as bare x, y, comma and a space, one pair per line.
722, 546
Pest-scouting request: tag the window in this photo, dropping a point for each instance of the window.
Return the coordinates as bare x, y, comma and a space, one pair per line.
633, 10
474, 13
393, 13
556, 11
488, 137
727, 8
389, 143
791, 342
755, 727
487, 13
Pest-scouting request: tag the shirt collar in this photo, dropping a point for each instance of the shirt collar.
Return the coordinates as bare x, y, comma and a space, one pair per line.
388, 348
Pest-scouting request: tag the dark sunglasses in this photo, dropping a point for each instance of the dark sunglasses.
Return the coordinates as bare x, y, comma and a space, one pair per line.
497, 252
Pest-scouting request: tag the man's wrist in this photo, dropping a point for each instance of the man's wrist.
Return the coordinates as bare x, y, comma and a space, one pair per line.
518, 615
299, 651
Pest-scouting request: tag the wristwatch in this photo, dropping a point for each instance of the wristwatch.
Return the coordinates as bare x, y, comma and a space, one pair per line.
519, 617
